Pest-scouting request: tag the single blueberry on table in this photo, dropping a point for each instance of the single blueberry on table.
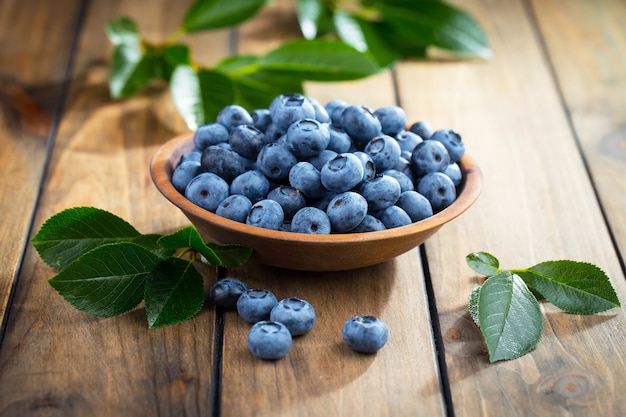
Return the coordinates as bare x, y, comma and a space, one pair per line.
365, 334
438, 188
223, 161
235, 207
275, 161
452, 142
207, 190
342, 173
394, 216
360, 123
311, 220
381, 192
290, 199
267, 214
269, 340
255, 304
429, 156
306, 178
392, 119
226, 291
247, 141
252, 184
184, 173
307, 138
346, 211
234, 115
209, 134
385, 152
415, 205
296, 314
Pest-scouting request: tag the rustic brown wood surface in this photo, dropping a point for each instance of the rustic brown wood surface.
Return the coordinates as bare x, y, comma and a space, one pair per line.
544, 118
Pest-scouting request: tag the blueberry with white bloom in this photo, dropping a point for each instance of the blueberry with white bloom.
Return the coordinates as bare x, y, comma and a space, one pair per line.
269, 340
311, 220
223, 161
346, 211
415, 205
408, 140
335, 108
289, 108
365, 334
429, 156
234, 115
369, 224
385, 152
406, 183
307, 138
261, 119
226, 291
235, 207
438, 188
207, 190
267, 214
209, 134
454, 172
306, 178
339, 141
381, 192
255, 304
452, 141
360, 123
392, 119
252, 184
342, 173
320, 159
321, 115
296, 314
275, 161
369, 168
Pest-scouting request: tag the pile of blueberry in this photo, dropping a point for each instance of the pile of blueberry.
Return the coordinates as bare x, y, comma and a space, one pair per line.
275, 323
302, 167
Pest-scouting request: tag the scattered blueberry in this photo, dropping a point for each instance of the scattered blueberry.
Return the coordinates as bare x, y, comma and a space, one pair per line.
295, 313
365, 334
255, 304
269, 340
226, 291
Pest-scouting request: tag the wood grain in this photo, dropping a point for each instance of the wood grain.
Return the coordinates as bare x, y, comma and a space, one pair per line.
55, 359
537, 204
585, 42
32, 68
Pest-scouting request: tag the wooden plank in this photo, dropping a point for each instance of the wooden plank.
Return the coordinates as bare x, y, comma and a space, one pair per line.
320, 376
537, 205
30, 90
585, 42
55, 359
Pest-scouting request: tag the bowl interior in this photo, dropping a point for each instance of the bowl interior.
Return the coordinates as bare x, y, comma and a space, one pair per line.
305, 251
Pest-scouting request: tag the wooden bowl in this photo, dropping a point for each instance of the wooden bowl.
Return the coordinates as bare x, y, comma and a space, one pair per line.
334, 252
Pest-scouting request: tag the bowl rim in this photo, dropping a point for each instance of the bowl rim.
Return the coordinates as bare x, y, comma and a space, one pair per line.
162, 166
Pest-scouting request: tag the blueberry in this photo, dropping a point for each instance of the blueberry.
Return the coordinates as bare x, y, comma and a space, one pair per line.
235, 207
385, 152
454, 172
319, 160
381, 192
255, 304
209, 134
207, 190
406, 183
261, 119
360, 123
311, 220
369, 224
223, 161
342, 173
423, 129
366, 334
226, 291
234, 115
289, 108
392, 119
273, 132
429, 156
269, 340
275, 161
452, 141
339, 140
267, 214
394, 216
252, 184
346, 211
369, 168
295, 313
438, 188
307, 138
184, 173
322, 202
247, 141
408, 140
335, 108
194, 155
306, 178
415, 205
290, 199
321, 115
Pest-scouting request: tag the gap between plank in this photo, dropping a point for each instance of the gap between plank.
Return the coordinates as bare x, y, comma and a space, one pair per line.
543, 47
218, 355
54, 127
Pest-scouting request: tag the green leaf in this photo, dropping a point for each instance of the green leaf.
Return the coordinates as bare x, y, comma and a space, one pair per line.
231, 255
484, 263
174, 292
214, 14
318, 60
108, 280
200, 94
314, 18
510, 317
123, 31
173, 56
188, 237
472, 306
150, 242
70, 233
574, 287
132, 68
431, 22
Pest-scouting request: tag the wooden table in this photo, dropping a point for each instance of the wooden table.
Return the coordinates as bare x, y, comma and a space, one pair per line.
545, 119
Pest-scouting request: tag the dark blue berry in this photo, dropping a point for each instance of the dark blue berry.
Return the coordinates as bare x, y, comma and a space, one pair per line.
269, 340
392, 119
346, 211
223, 161
311, 220
296, 314
438, 188
207, 190
306, 178
252, 184
247, 141
394, 216
365, 334
381, 192
226, 291
360, 123
423, 129
209, 134
235, 207
342, 173
415, 205
289, 198
267, 214
275, 161
234, 115
255, 304
429, 156
307, 138
452, 141
184, 173
385, 152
